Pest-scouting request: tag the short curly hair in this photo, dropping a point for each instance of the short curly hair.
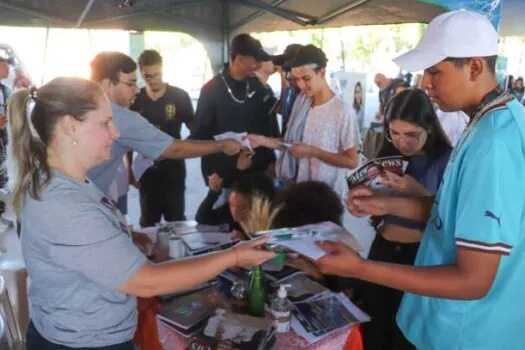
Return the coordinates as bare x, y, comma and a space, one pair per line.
305, 203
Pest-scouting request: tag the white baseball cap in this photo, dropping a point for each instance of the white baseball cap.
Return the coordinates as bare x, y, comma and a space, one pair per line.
458, 34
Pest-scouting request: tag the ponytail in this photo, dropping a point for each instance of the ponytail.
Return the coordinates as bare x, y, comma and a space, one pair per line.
32, 117
28, 151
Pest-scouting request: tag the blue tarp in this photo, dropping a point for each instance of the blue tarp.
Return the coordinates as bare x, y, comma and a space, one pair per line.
506, 15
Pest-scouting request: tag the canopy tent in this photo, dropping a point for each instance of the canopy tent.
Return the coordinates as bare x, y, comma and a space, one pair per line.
213, 22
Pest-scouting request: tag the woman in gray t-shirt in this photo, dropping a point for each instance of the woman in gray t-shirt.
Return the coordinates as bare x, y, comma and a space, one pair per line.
83, 267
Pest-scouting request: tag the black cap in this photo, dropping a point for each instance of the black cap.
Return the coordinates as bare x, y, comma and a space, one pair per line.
288, 54
246, 45
310, 54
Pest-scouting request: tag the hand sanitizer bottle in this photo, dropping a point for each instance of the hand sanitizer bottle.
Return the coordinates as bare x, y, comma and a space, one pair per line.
281, 310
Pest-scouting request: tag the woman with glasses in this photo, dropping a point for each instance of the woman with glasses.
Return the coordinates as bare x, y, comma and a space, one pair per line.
413, 131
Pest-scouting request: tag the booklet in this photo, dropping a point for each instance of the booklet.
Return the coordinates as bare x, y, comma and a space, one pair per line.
187, 311
198, 241
318, 318
303, 239
369, 174
236, 136
302, 288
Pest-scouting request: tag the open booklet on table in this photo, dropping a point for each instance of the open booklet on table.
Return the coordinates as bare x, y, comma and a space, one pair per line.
317, 318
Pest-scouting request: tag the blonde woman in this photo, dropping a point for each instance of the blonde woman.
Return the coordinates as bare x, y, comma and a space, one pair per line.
84, 269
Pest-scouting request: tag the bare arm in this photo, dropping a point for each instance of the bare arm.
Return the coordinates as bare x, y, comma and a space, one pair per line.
347, 159
172, 277
470, 278
284, 86
363, 201
191, 149
129, 164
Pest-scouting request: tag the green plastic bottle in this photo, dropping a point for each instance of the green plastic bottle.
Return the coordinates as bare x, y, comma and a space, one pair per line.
257, 293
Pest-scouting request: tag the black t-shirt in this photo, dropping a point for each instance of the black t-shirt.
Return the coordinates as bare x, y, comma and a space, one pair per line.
167, 114
218, 112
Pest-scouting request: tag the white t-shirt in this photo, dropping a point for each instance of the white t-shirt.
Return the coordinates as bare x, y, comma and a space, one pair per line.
453, 123
333, 127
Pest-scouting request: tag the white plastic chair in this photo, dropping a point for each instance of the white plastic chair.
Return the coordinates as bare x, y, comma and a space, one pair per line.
10, 332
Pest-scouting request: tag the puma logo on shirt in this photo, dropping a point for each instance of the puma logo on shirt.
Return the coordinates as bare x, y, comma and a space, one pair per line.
491, 215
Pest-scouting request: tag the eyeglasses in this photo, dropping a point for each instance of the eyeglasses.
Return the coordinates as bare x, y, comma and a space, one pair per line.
129, 84
409, 137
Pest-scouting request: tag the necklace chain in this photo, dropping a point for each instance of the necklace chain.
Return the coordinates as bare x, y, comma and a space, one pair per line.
248, 94
475, 116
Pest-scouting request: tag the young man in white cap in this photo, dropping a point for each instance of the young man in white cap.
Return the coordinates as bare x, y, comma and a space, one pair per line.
466, 288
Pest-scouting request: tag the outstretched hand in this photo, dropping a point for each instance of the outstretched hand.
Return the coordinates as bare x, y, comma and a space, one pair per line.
230, 147
257, 141
340, 260
250, 253
362, 201
405, 184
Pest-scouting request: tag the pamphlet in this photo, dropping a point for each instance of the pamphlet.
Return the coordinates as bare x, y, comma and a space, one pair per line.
303, 239
236, 136
369, 174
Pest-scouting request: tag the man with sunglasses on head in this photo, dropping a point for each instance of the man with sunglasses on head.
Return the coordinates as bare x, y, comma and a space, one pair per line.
235, 100
115, 72
162, 185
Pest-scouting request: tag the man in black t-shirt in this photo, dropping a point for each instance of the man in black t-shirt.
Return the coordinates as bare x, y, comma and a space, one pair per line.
167, 107
235, 100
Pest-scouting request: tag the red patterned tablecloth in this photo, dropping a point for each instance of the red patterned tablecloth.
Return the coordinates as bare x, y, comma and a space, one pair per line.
171, 340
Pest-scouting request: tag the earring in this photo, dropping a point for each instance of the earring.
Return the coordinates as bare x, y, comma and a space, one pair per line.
74, 142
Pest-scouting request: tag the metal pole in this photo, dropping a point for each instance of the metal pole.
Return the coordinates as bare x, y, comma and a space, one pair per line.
84, 13
45, 56
343, 58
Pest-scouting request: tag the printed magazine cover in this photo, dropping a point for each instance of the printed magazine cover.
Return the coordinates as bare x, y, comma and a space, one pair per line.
369, 174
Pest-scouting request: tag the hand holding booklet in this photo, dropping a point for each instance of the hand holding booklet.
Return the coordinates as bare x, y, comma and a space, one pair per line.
369, 174
236, 136
303, 239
